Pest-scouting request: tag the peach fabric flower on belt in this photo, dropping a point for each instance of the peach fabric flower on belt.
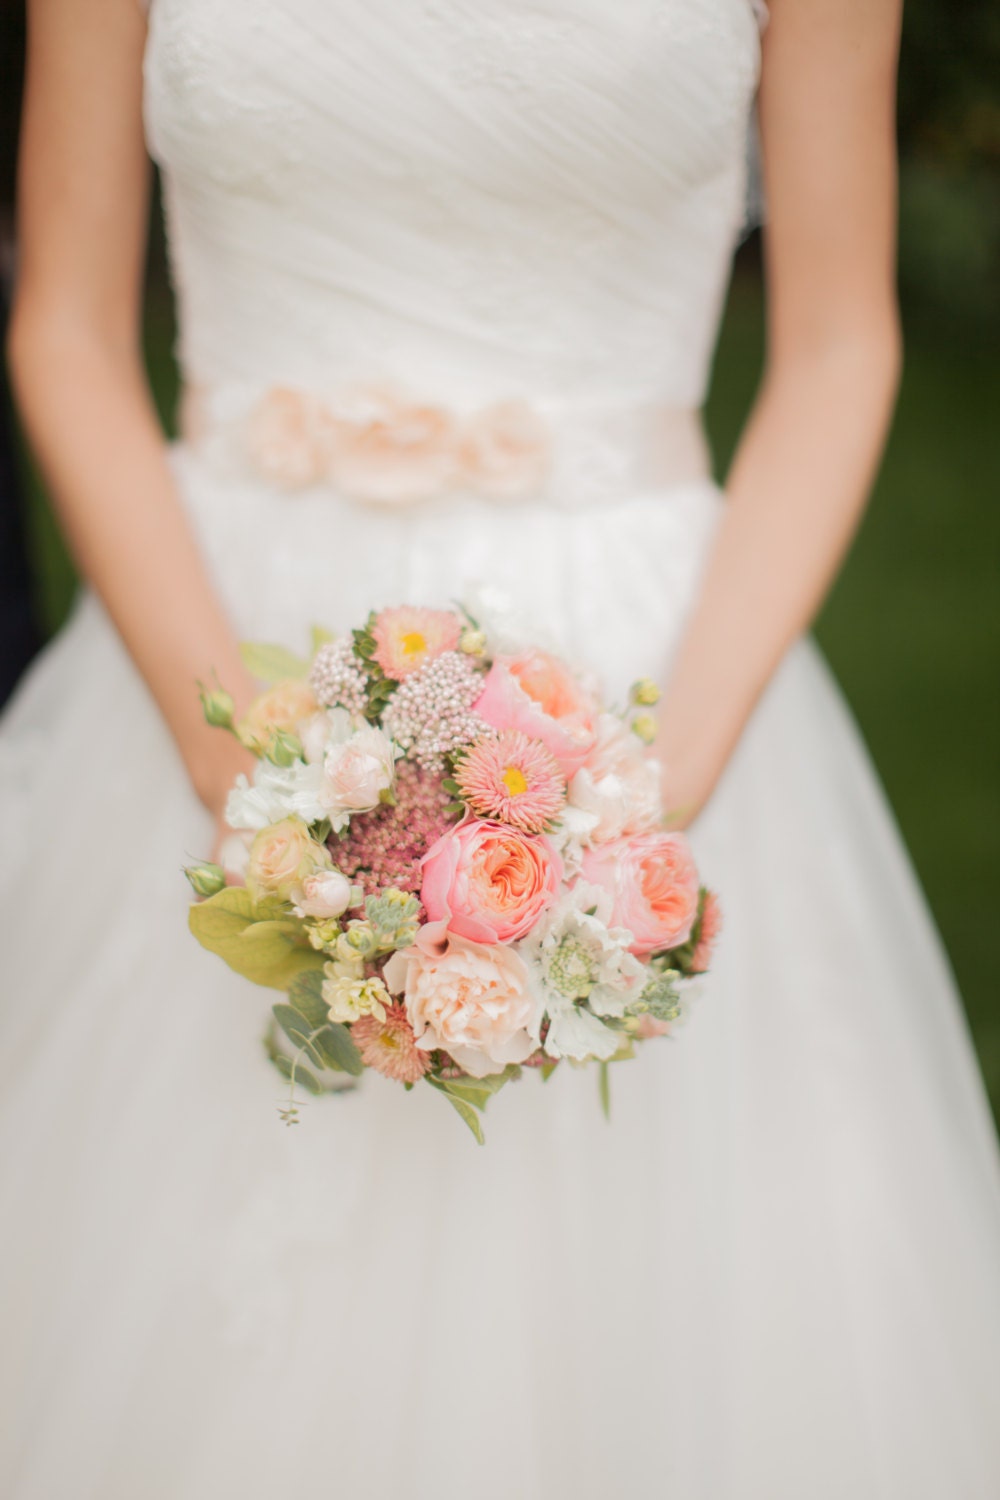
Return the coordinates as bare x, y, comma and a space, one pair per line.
375, 445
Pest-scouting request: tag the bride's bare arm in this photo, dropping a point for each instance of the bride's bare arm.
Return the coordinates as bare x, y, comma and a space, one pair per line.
77, 368
808, 456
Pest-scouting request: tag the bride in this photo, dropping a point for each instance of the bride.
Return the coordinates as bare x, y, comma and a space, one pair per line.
776, 1275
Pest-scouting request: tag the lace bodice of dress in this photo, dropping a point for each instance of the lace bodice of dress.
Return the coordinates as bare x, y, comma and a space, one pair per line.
476, 198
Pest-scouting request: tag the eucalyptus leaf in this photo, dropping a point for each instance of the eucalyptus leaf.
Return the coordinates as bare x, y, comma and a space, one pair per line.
298, 1031
308, 1080
305, 994
336, 1047
272, 663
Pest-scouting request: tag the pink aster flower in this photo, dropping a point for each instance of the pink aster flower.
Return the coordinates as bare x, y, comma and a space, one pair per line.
708, 932
512, 778
408, 637
390, 1047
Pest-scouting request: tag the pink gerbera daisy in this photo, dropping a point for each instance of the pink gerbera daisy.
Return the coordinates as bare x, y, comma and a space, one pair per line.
708, 932
390, 1047
512, 778
408, 637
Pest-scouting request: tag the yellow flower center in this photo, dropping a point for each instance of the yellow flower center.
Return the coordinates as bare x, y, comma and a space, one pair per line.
413, 643
388, 1042
515, 781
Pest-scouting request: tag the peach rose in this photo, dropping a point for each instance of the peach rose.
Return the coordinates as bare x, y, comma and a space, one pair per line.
536, 693
504, 451
286, 438
618, 784
281, 856
653, 884
285, 706
471, 1000
489, 882
386, 449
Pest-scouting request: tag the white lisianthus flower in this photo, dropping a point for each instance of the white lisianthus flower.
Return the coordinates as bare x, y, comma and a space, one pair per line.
618, 787
582, 970
276, 792
357, 770
572, 835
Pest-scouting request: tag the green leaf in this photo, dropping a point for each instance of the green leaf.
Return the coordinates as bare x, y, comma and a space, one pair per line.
305, 995
604, 1088
547, 1070
466, 1111
336, 1046
272, 663
268, 949
320, 636
298, 1031
308, 1080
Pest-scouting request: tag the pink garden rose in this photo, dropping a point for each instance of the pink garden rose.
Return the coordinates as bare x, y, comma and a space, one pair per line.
536, 693
489, 882
471, 1000
653, 884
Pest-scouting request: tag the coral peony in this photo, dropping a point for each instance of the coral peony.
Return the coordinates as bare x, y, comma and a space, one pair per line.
512, 778
709, 927
653, 884
489, 883
407, 638
471, 1000
537, 694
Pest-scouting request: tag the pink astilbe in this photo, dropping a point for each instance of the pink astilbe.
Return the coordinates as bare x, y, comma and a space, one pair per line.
407, 638
430, 715
708, 933
389, 1046
512, 778
385, 847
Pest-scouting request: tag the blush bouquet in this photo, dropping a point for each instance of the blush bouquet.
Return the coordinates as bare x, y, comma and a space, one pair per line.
454, 863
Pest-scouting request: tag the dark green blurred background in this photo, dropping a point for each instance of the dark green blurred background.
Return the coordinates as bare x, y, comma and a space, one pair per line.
912, 627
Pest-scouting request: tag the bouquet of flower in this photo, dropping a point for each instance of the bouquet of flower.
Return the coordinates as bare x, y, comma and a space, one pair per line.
456, 863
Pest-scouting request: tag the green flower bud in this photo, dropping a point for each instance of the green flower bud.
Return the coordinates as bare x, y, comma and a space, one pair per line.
284, 748
206, 879
218, 708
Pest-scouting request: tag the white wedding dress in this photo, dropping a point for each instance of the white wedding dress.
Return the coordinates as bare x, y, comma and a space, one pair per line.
776, 1274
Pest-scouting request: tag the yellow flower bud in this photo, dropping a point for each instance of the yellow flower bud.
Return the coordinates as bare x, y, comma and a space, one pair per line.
645, 692
472, 642
644, 726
